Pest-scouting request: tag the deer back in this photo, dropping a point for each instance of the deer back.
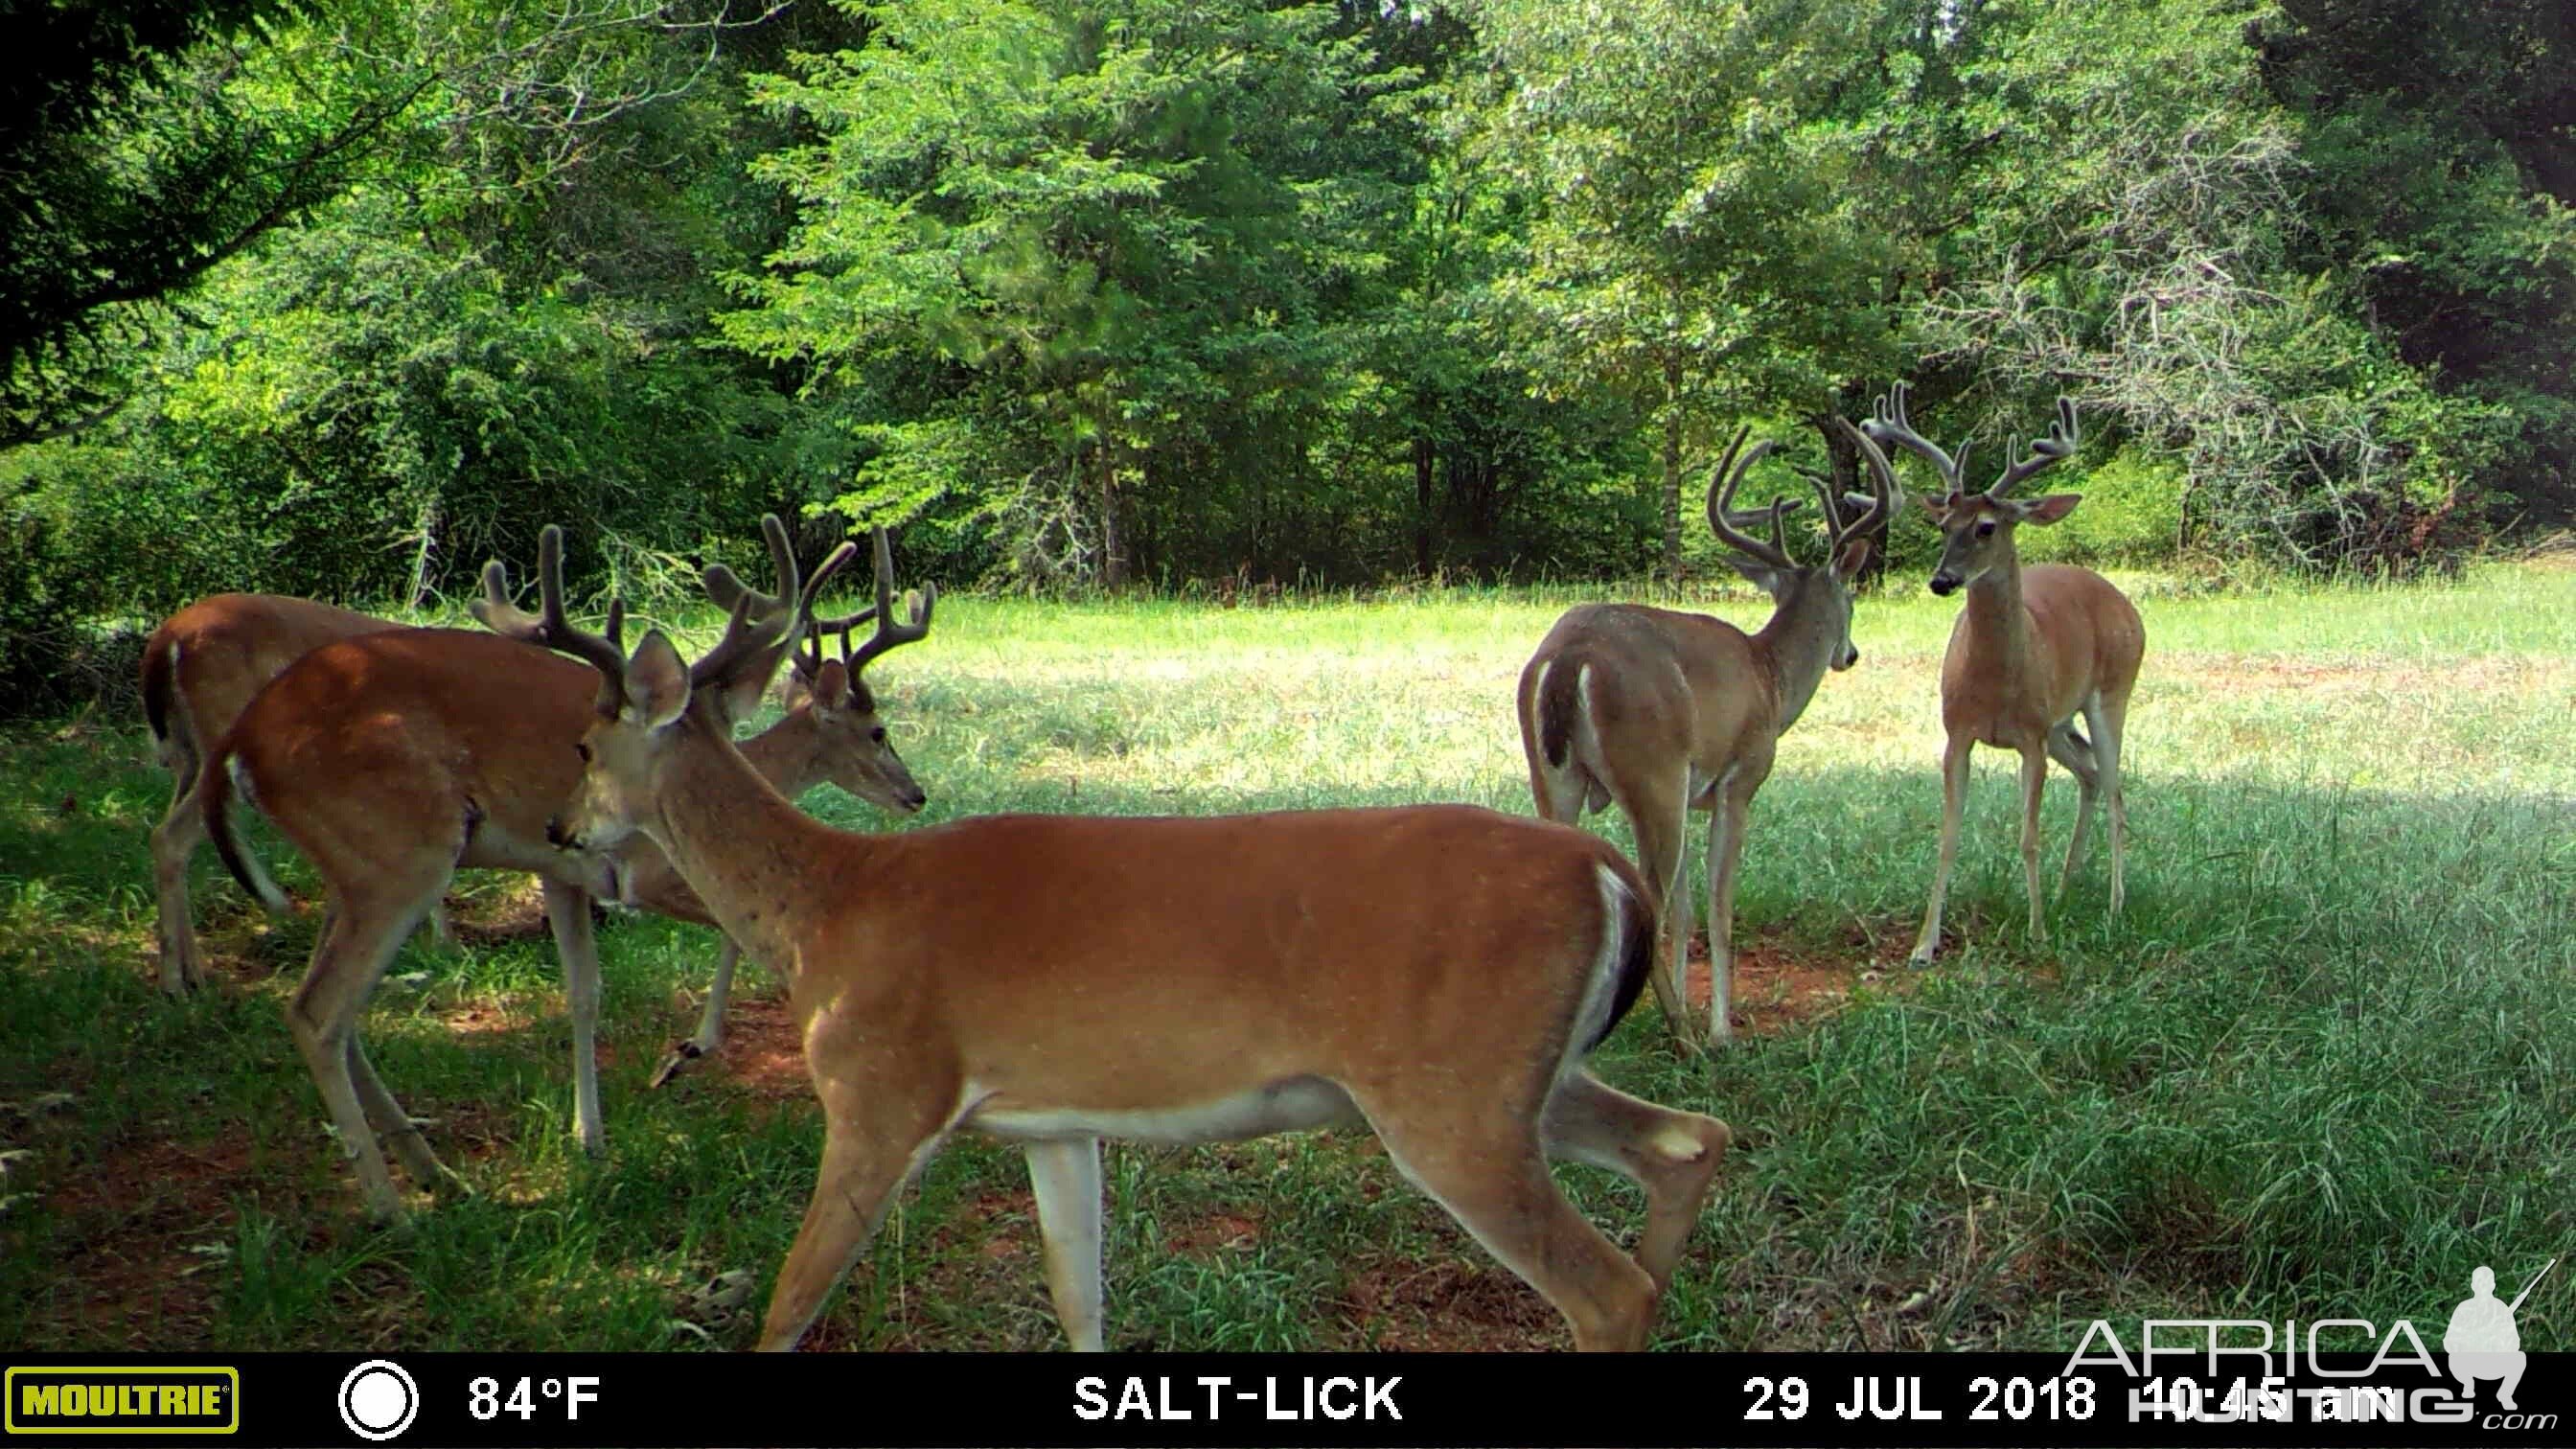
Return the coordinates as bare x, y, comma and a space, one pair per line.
204, 664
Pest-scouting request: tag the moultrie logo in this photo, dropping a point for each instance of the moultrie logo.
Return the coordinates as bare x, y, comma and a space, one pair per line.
123, 1401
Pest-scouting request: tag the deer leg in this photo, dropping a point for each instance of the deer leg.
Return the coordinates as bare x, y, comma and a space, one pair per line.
1658, 818
174, 840
1954, 801
1483, 1163
1065, 1176
873, 1143
2034, 778
2071, 750
710, 1021
1725, 852
1673, 1155
568, 911
442, 930
2109, 718
398, 1127
359, 937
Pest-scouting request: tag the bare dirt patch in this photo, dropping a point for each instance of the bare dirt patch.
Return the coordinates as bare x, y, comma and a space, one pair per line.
1448, 1306
129, 1220
762, 1050
1780, 987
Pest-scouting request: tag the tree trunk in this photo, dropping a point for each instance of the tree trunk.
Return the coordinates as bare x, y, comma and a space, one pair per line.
1113, 542
430, 518
1842, 464
1672, 500
1425, 456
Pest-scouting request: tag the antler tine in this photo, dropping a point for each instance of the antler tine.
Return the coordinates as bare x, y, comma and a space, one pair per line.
500, 615
889, 634
725, 587
742, 640
1824, 483
2063, 436
1886, 494
603, 652
745, 640
1888, 423
1721, 503
810, 650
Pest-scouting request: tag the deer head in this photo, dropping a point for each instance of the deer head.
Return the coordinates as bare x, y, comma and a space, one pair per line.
1977, 528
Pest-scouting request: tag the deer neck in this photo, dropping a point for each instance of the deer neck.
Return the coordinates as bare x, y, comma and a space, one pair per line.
1796, 648
741, 845
1999, 623
787, 754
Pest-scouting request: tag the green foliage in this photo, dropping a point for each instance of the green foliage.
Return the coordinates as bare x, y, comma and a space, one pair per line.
1239, 293
138, 150
2131, 514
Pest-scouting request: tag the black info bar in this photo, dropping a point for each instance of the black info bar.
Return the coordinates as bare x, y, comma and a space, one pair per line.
646, 1400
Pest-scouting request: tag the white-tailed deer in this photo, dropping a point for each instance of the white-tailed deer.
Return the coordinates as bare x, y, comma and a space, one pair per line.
831, 734
200, 669
1438, 972
2033, 647
1667, 712
393, 760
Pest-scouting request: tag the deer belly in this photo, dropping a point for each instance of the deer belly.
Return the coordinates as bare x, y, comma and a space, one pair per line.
1287, 1106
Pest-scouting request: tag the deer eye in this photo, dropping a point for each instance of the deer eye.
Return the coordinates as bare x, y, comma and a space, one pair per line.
877, 735
583, 751
1986, 529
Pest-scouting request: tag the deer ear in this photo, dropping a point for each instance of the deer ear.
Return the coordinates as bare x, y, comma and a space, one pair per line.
1761, 575
657, 683
2047, 509
1855, 557
830, 686
741, 697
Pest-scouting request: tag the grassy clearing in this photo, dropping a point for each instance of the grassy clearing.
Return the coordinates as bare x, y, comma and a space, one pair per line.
2319, 1068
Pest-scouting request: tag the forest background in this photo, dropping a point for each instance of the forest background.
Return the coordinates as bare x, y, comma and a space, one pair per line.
339, 298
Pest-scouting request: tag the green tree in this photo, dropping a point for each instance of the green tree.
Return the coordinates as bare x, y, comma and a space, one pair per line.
1707, 232
138, 151
1129, 220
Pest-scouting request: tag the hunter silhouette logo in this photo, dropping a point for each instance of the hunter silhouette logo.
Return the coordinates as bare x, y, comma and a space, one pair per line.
2482, 1342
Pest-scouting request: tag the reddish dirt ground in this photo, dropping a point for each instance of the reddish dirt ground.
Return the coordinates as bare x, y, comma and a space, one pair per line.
1777, 988
1449, 1306
131, 1219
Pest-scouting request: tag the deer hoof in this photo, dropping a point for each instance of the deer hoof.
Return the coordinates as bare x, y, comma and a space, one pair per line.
678, 1060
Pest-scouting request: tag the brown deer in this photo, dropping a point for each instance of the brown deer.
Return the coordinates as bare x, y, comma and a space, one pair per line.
1667, 712
2034, 647
200, 668
1437, 972
393, 760
831, 734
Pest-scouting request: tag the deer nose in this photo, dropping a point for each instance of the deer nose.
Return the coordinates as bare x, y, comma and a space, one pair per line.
1945, 584
915, 798
556, 835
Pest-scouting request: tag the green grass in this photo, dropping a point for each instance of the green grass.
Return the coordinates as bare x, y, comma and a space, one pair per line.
2319, 1067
